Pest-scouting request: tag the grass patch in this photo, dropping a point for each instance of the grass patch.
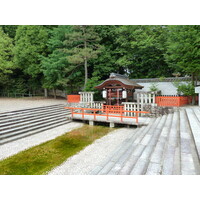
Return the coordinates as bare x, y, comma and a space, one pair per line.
44, 157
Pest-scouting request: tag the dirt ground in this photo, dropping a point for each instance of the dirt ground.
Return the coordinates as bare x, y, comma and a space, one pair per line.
10, 104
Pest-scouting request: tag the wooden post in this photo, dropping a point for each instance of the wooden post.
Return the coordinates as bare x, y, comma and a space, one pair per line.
121, 115
94, 115
106, 113
72, 110
136, 117
82, 113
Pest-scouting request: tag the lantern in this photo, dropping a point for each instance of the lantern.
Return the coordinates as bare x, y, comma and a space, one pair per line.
104, 94
124, 94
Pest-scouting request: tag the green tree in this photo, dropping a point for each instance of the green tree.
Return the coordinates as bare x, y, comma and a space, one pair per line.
30, 44
10, 30
82, 45
55, 67
183, 52
141, 50
6, 57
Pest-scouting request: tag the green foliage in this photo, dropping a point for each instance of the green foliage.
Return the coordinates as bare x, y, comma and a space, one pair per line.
153, 87
82, 45
10, 30
61, 57
186, 89
6, 57
56, 69
141, 50
183, 52
30, 44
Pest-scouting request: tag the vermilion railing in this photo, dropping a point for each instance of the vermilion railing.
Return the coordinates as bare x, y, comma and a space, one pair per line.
73, 98
103, 112
174, 101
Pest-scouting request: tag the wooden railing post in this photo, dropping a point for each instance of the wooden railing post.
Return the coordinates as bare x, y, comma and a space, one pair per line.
106, 113
72, 110
83, 113
94, 114
136, 117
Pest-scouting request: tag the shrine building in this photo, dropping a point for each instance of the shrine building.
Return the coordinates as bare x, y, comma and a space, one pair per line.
117, 89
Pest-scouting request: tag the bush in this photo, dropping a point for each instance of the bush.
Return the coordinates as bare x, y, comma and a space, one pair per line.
153, 87
186, 89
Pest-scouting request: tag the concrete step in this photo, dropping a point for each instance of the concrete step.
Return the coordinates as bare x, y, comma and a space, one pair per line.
30, 113
169, 152
18, 120
154, 167
195, 128
2, 114
20, 124
107, 164
149, 142
33, 125
122, 158
187, 162
39, 129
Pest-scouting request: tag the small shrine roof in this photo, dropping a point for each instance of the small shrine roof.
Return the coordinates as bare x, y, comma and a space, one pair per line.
123, 80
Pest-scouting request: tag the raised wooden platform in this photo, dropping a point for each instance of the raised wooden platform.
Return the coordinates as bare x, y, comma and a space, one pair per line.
141, 120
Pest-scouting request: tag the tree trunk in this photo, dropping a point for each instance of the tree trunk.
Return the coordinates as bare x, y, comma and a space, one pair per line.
86, 74
85, 61
54, 93
45, 92
193, 83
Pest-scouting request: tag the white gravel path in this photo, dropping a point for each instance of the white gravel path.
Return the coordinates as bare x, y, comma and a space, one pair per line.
15, 147
85, 161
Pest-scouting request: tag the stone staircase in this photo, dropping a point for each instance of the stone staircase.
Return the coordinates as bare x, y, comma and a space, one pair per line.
168, 145
22, 123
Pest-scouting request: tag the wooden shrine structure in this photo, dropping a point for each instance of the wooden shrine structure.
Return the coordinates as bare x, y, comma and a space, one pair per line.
118, 89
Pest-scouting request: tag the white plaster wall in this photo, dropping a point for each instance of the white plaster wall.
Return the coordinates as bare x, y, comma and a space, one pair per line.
167, 88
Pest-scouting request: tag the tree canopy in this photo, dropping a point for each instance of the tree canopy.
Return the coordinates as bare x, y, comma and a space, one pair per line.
75, 58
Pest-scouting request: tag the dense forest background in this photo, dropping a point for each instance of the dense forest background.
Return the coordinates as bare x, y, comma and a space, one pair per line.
75, 58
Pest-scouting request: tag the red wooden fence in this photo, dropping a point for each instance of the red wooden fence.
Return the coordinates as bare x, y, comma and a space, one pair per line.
73, 98
113, 109
174, 101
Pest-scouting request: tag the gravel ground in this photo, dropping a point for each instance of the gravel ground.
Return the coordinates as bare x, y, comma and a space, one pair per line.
85, 161
15, 147
10, 104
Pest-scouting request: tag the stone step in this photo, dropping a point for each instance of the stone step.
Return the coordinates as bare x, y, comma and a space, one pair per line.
30, 113
149, 142
172, 144
109, 163
30, 116
189, 156
154, 167
10, 113
99, 169
32, 132
195, 128
137, 151
17, 125
29, 127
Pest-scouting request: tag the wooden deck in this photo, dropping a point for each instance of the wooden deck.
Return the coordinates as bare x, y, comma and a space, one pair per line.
128, 121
